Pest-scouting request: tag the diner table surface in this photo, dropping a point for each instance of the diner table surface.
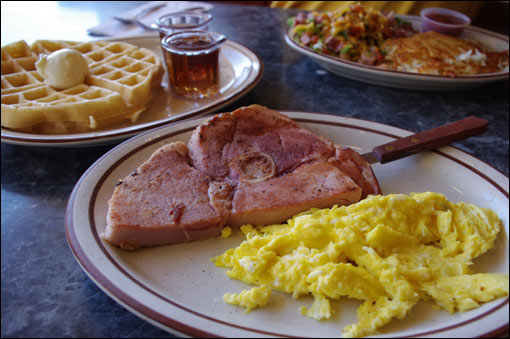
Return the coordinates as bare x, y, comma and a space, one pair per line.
45, 292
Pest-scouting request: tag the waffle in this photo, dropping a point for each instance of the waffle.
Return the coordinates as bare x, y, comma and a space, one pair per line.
18, 68
118, 87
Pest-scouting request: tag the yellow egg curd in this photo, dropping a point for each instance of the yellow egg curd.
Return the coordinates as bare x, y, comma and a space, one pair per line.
389, 251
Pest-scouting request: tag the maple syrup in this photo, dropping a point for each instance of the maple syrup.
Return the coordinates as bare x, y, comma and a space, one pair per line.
192, 60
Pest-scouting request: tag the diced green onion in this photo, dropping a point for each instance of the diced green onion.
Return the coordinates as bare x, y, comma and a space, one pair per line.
345, 49
401, 22
300, 31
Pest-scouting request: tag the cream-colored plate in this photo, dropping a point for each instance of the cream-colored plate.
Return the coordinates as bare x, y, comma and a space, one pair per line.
240, 71
177, 288
406, 80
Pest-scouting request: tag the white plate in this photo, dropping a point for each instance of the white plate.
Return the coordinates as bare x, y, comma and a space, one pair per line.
398, 79
240, 71
177, 287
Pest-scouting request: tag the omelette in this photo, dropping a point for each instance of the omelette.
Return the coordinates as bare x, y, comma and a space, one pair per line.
387, 251
438, 54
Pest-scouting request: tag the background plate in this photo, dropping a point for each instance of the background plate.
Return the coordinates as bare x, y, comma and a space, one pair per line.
240, 71
178, 288
390, 78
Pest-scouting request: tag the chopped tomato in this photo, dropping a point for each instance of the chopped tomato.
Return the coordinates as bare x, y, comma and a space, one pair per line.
334, 43
355, 30
378, 56
388, 33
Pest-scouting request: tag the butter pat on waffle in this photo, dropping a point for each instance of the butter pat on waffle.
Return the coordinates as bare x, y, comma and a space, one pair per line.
119, 85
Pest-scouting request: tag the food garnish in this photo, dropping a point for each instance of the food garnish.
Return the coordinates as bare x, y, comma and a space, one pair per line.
355, 33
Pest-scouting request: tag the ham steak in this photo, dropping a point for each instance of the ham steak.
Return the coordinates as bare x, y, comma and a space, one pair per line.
276, 200
166, 201
215, 145
253, 165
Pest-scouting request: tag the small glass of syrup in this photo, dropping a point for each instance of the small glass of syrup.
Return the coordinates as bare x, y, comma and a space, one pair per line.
182, 21
192, 61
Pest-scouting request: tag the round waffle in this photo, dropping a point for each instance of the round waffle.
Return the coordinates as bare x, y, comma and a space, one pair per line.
118, 87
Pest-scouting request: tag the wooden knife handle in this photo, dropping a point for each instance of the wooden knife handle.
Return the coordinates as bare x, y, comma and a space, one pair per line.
430, 139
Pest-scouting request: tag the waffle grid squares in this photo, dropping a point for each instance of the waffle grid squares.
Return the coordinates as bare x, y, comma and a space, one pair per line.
121, 77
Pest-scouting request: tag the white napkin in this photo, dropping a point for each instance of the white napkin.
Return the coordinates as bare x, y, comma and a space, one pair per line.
114, 27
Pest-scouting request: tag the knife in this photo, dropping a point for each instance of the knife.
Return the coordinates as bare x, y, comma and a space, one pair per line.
427, 140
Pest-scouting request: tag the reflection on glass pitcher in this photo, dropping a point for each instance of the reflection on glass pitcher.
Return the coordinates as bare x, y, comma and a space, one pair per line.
182, 21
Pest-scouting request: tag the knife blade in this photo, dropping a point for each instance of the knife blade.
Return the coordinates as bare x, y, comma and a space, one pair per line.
427, 140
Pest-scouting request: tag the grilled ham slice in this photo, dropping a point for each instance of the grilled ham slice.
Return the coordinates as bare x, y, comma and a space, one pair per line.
275, 200
217, 144
253, 165
254, 138
352, 163
166, 201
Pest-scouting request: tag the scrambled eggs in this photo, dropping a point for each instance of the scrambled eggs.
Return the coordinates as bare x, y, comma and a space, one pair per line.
226, 232
249, 299
390, 251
